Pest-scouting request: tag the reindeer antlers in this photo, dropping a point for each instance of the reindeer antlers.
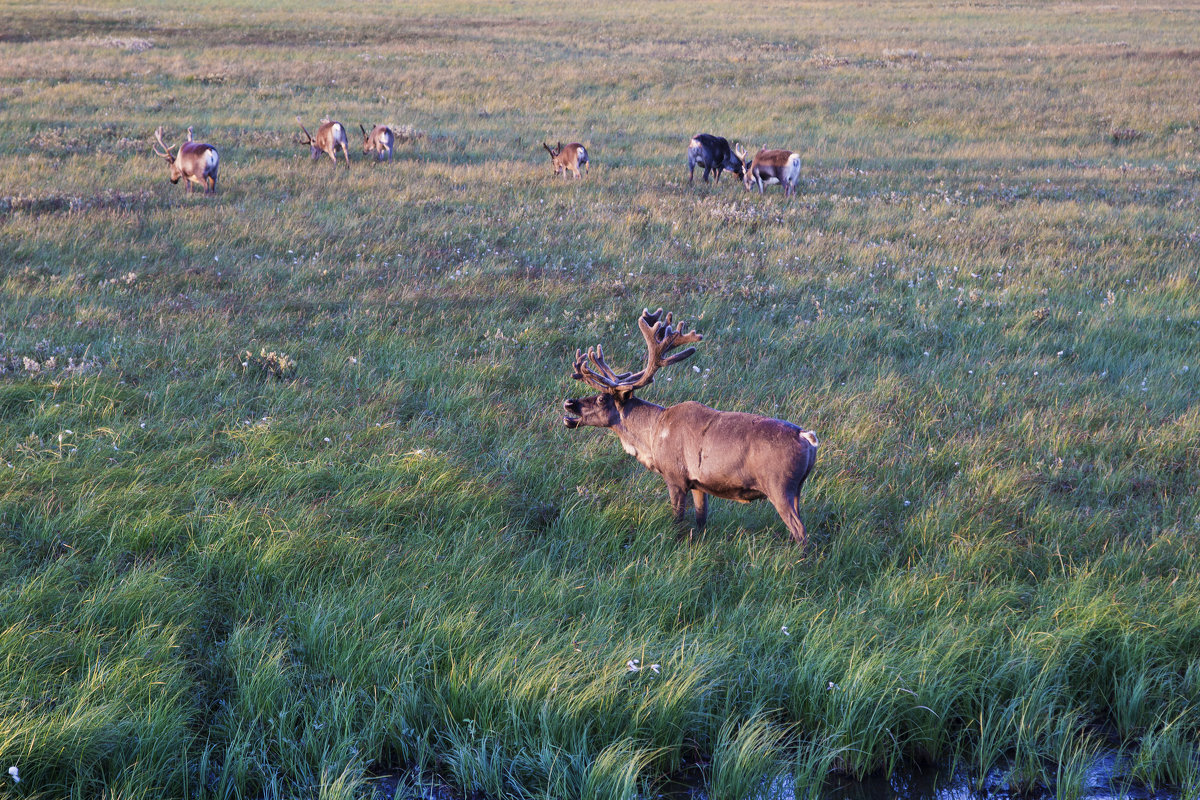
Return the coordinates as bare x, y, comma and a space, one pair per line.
306, 133
661, 337
166, 151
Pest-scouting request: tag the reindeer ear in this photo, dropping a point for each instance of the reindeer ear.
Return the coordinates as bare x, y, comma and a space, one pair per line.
623, 394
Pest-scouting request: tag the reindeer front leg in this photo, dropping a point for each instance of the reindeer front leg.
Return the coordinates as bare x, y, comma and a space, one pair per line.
678, 494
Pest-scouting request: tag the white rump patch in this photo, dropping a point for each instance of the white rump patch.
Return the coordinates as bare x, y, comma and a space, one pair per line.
810, 437
791, 170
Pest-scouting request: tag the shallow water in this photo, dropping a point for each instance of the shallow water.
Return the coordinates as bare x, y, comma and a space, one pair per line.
1104, 782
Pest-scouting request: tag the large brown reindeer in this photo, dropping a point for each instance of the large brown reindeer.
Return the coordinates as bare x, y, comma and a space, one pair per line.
771, 166
380, 141
568, 159
727, 454
195, 161
330, 136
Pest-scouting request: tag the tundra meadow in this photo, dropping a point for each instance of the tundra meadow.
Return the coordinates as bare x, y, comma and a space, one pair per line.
287, 508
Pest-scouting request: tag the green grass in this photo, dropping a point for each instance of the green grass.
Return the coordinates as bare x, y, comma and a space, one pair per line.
224, 576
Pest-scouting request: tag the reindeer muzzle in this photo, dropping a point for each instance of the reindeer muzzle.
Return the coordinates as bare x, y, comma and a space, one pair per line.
571, 406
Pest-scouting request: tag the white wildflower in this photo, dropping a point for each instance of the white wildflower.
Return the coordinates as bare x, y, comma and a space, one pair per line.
15, 774
784, 631
632, 665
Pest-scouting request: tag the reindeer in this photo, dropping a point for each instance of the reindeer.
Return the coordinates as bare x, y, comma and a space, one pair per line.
330, 136
727, 454
379, 141
195, 161
571, 158
771, 166
712, 153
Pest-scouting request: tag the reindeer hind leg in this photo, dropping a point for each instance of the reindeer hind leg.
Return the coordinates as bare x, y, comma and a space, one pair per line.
788, 507
700, 499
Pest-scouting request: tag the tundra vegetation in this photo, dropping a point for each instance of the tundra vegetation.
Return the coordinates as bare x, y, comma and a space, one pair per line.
374, 549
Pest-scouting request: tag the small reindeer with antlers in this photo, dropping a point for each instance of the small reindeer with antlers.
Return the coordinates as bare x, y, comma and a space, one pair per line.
771, 166
330, 136
195, 161
379, 141
568, 159
727, 454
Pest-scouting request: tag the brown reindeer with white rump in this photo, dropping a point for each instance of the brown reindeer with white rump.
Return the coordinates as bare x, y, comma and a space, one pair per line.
727, 454
569, 158
771, 166
330, 136
195, 161
379, 141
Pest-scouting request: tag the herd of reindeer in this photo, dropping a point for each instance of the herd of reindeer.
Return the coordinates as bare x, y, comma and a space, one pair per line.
696, 449
197, 162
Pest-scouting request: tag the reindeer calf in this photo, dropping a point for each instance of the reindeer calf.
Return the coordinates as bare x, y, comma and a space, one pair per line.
771, 166
379, 141
195, 161
569, 158
330, 136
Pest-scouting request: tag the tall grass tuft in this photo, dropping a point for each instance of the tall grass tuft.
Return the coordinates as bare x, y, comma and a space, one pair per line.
747, 759
617, 771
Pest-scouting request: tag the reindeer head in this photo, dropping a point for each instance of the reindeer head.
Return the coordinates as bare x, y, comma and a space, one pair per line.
165, 152
740, 152
308, 139
553, 151
616, 389
739, 165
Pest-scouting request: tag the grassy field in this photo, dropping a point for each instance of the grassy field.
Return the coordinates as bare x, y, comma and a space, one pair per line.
286, 503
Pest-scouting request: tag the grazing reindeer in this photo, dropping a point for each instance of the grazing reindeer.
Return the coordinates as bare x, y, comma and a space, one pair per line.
379, 141
195, 161
771, 166
714, 154
571, 158
727, 454
330, 136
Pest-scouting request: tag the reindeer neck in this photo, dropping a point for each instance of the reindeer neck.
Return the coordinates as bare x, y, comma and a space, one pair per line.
636, 427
